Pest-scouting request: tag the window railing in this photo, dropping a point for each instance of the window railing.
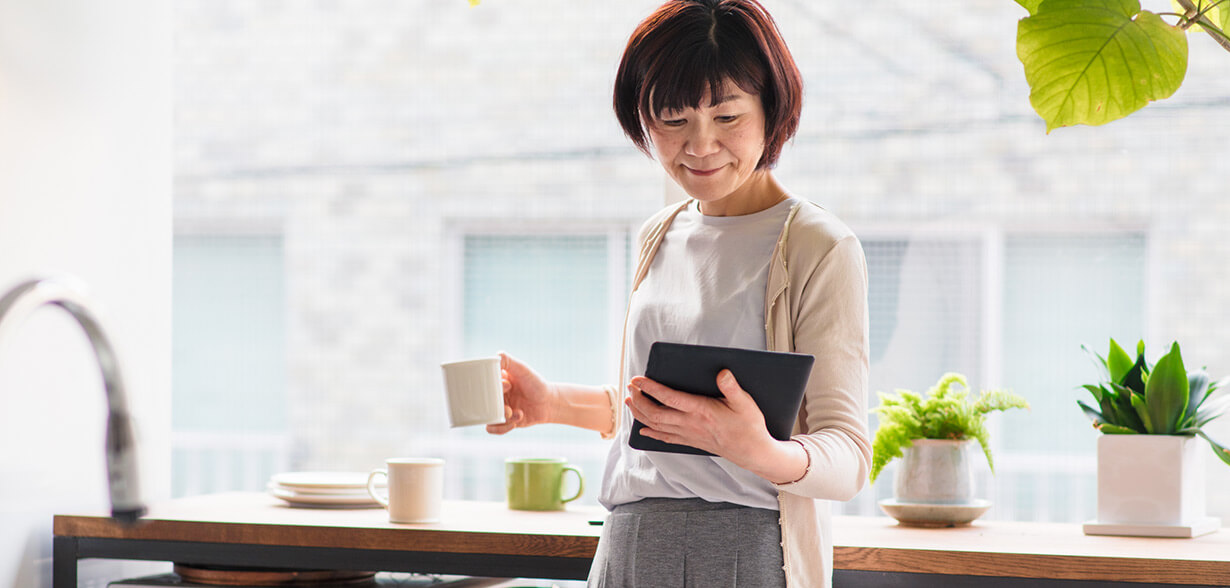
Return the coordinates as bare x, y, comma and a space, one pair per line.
217, 461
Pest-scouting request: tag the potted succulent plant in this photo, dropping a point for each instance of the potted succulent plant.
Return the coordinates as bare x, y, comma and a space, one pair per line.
1150, 474
932, 434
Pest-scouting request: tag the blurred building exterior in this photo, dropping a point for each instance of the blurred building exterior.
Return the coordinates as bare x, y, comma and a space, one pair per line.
377, 187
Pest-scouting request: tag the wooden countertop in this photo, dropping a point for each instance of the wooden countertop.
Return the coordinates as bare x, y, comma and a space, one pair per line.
254, 518
986, 548
1029, 550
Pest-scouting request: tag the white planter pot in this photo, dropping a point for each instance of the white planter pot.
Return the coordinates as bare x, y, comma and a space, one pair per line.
934, 486
935, 471
1151, 485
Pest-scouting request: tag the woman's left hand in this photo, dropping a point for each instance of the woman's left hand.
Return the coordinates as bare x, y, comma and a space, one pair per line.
732, 426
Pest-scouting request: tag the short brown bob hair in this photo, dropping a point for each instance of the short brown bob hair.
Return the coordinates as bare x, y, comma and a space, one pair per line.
689, 46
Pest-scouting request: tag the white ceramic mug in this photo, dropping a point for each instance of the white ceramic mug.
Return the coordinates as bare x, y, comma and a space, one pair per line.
416, 488
475, 392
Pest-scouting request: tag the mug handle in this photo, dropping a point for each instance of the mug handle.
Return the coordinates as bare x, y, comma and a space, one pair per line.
580, 482
371, 486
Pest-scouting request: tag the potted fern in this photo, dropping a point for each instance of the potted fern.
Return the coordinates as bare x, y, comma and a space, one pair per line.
1150, 474
934, 485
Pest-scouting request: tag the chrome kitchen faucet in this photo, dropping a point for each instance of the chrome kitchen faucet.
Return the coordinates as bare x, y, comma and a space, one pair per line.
126, 505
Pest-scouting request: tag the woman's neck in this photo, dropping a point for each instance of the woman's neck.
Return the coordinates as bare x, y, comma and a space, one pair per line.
760, 192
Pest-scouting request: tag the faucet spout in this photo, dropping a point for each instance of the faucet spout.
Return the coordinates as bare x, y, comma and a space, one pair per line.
120, 446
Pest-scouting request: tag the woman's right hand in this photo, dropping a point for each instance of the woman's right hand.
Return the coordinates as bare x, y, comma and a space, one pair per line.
528, 399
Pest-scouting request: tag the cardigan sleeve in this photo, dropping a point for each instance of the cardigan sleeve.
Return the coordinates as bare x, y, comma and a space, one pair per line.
829, 319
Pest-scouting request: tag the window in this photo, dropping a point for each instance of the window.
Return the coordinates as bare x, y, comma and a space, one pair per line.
1060, 291
926, 300
229, 403
1007, 310
559, 298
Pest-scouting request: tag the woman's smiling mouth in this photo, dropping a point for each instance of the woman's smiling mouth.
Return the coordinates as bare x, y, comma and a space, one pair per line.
703, 172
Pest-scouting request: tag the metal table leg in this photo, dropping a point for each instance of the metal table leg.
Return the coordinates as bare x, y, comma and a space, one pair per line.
64, 562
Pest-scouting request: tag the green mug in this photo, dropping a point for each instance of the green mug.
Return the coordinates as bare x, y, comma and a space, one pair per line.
537, 483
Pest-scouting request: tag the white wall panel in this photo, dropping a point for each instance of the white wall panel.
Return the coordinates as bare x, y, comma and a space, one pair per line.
85, 188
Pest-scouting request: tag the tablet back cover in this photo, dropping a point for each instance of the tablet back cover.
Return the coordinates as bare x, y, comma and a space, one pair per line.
775, 380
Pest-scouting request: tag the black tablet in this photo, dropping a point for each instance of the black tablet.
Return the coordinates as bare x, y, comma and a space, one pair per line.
775, 380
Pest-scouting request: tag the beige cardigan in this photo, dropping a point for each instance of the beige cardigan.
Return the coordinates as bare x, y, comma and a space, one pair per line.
816, 303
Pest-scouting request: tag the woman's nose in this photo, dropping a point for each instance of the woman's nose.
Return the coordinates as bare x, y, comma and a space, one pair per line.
702, 141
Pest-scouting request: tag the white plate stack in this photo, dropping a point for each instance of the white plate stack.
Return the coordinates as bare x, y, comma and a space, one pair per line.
323, 489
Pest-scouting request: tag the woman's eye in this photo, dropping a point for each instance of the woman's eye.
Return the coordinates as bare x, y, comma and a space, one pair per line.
727, 118
674, 122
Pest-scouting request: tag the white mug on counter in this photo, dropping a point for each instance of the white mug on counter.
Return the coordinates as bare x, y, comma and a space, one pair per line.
416, 488
475, 391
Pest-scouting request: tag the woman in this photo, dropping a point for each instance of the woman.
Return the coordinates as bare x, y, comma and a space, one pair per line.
709, 87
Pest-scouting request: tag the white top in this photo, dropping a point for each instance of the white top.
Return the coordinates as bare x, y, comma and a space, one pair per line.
706, 286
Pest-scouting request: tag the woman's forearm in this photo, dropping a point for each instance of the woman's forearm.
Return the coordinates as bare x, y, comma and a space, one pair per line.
781, 462
587, 407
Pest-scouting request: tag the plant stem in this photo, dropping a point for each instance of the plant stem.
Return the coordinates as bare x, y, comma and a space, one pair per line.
1214, 5
1204, 11
1218, 35
1204, 22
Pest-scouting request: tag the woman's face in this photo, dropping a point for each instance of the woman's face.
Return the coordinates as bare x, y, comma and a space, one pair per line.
712, 151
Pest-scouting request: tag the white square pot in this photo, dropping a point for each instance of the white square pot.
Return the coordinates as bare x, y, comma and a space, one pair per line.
1151, 485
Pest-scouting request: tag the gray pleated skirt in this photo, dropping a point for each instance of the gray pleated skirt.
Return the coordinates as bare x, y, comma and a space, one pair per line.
685, 543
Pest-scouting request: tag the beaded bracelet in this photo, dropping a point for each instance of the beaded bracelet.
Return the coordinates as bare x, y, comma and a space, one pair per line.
806, 470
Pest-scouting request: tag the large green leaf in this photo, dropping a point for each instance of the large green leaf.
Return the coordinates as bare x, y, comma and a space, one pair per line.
1030, 5
1118, 362
1166, 392
1094, 61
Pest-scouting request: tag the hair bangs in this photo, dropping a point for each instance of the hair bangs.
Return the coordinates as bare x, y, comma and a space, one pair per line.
684, 83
